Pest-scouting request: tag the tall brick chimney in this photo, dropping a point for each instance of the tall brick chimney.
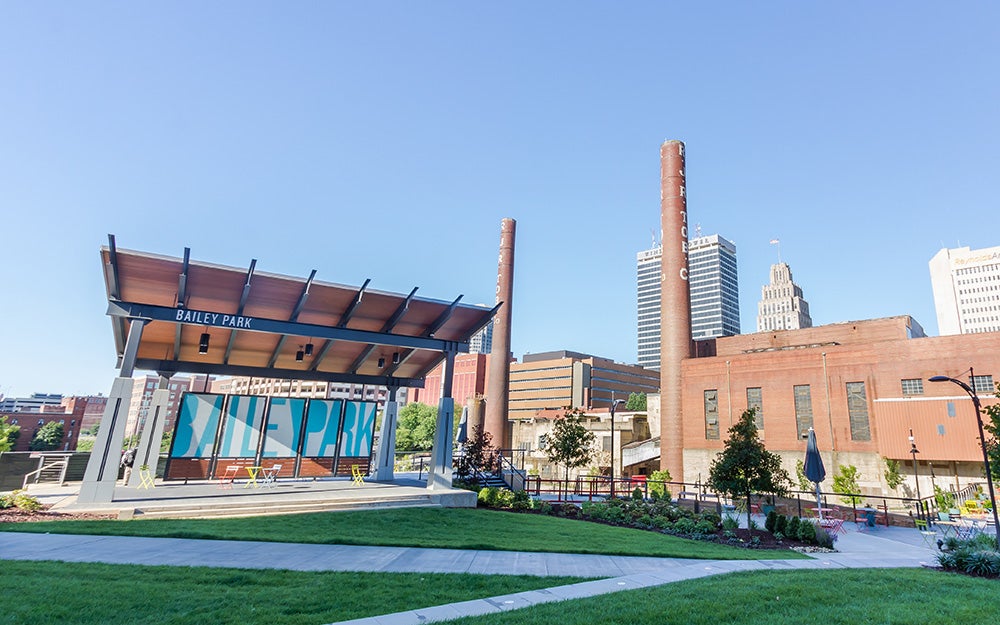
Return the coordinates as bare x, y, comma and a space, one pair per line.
675, 305
498, 384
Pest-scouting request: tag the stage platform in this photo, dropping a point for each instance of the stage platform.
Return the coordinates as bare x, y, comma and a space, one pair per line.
212, 499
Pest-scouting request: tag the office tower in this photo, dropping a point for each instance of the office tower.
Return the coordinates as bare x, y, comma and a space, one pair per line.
714, 294
966, 285
482, 341
781, 306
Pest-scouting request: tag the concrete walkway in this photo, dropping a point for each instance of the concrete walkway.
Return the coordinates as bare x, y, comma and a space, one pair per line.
885, 547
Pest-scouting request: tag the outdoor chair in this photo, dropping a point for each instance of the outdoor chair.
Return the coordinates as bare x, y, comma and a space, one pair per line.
929, 536
270, 475
357, 475
229, 476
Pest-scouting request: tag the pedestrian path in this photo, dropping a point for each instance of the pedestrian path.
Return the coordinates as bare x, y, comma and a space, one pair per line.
889, 547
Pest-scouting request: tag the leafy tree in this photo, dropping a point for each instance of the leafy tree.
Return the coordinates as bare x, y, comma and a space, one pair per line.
745, 466
636, 402
570, 443
415, 427
892, 476
168, 438
800, 476
8, 434
992, 426
48, 437
657, 487
478, 454
845, 483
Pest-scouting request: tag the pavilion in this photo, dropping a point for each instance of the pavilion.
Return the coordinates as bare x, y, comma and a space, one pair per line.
173, 315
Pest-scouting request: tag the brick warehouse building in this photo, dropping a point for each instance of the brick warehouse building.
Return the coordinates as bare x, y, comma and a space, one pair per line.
861, 385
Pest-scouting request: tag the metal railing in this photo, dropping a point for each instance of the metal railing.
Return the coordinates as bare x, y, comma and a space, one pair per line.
59, 461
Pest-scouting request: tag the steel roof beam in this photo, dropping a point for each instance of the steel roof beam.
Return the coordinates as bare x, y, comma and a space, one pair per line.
169, 367
239, 310
274, 326
346, 317
294, 317
386, 327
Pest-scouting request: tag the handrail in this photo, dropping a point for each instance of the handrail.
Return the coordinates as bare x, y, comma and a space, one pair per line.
62, 461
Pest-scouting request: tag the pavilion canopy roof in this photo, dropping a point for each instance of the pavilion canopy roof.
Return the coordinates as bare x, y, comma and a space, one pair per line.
258, 322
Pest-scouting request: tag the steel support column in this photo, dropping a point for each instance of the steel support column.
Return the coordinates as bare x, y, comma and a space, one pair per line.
385, 461
440, 473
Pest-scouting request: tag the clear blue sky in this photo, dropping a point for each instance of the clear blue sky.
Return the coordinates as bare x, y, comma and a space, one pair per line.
387, 140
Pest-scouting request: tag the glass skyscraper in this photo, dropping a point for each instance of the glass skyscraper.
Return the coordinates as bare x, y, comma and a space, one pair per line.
715, 297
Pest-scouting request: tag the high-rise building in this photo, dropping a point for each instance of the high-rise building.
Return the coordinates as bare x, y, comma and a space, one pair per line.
966, 285
482, 341
36, 403
781, 306
714, 288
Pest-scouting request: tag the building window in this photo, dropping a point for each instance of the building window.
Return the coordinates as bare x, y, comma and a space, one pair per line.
712, 414
914, 386
755, 400
857, 410
983, 384
605, 443
803, 409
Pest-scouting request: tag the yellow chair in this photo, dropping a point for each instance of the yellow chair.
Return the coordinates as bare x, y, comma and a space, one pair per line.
146, 478
359, 477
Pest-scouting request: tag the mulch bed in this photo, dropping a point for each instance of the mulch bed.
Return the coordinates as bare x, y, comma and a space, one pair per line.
16, 515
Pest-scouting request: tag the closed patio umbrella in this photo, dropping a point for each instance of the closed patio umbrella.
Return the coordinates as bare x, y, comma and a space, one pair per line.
814, 470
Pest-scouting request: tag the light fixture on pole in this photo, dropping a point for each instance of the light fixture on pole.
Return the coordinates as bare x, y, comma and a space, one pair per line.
300, 355
381, 362
982, 439
309, 348
203, 343
395, 358
916, 478
614, 405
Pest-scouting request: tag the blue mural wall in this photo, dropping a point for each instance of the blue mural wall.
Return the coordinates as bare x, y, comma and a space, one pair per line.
359, 429
284, 422
197, 422
322, 428
241, 428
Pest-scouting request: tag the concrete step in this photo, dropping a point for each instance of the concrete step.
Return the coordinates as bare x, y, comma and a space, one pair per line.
269, 509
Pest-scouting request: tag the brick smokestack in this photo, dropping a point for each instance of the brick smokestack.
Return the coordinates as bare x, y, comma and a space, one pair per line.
498, 384
675, 305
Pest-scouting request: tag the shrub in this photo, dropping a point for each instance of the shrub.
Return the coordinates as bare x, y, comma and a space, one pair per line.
637, 494
807, 532
542, 506
781, 524
657, 488
771, 519
521, 501
705, 527
20, 499
645, 522
684, 526
824, 538
488, 496
792, 528
730, 524
983, 563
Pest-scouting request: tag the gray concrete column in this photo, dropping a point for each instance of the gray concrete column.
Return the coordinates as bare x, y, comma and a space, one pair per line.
440, 473
151, 433
102, 469
385, 460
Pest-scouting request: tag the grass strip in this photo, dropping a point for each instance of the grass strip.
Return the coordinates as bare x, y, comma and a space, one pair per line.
840, 597
451, 528
56, 593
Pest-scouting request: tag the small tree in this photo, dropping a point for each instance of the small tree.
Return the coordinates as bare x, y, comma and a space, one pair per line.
845, 483
992, 426
8, 434
745, 466
636, 402
570, 443
478, 454
800, 476
48, 437
892, 476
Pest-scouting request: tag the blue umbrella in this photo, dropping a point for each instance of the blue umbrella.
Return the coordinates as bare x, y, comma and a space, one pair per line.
463, 427
814, 470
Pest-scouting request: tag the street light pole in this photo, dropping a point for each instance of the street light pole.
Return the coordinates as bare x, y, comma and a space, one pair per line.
614, 405
982, 440
916, 477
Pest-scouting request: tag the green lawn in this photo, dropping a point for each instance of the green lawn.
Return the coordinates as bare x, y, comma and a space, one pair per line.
841, 597
454, 528
56, 593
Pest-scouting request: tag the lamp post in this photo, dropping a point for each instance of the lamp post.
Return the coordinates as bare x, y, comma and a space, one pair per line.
614, 405
916, 478
982, 440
